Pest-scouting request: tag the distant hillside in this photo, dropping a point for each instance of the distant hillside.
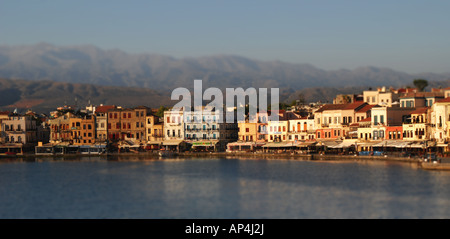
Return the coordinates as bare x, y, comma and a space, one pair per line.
45, 96
92, 65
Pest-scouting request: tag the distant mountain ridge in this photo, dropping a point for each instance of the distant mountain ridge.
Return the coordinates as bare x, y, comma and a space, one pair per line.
92, 65
45, 96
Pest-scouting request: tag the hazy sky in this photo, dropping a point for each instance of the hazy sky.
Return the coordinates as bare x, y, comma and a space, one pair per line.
409, 35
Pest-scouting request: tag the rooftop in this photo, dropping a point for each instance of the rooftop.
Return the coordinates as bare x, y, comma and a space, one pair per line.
421, 110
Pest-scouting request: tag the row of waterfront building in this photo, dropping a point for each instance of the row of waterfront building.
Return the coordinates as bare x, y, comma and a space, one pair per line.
392, 120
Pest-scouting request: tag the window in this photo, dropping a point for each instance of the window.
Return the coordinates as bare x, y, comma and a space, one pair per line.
247, 130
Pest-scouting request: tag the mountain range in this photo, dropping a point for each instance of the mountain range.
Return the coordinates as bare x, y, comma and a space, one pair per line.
87, 68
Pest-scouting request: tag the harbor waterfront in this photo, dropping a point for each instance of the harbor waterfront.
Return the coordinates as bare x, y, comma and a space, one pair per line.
217, 186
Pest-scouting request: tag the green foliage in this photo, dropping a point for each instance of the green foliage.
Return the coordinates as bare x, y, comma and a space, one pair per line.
160, 112
420, 84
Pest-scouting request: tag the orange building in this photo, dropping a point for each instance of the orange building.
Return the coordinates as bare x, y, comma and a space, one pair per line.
128, 124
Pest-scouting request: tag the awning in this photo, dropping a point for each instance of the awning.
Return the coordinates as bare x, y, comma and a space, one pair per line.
342, 145
154, 142
246, 144
280, 145
365, 144
328, 144
305, 144
389, 143
420, 145
204, 143
172, 142
404, 144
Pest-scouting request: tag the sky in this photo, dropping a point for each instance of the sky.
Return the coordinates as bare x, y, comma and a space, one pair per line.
410, 36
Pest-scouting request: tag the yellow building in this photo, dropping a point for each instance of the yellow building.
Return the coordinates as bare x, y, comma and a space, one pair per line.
301, 129
278, 131
154, 131
248, 132
418, 128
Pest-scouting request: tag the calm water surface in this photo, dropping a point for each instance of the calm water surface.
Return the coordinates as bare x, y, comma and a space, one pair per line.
220, 188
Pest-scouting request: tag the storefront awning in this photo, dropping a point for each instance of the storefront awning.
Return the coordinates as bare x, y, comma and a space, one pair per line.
204, 143
342, 145
154, 142
279, 145
305, 144
236, 144
172, 142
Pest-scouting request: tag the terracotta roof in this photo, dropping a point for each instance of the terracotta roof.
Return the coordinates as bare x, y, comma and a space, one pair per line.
421, 110
443, 100
422, 94
354, 105
350, 106
366, 119
330, 107
365, 108
104, 108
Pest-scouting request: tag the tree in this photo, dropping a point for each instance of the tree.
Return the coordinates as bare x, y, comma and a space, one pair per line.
420, 84
160, 112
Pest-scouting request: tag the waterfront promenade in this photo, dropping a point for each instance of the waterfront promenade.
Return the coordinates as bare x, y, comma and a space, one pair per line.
443, 165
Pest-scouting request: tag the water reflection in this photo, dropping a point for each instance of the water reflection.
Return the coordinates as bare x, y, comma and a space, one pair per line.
139, 187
